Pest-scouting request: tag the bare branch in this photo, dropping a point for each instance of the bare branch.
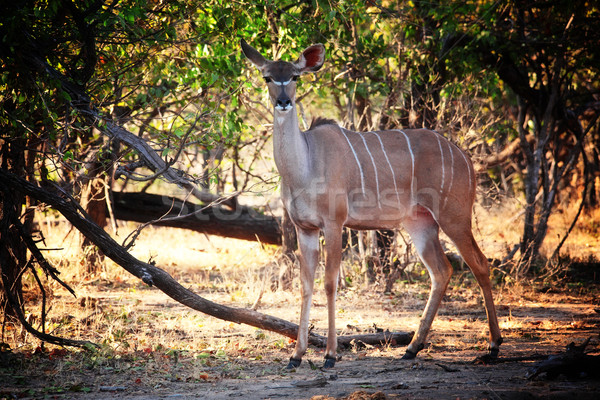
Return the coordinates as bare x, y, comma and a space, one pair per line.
37, 254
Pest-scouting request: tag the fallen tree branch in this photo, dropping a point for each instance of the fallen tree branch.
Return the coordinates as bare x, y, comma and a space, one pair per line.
375, 339
213, 220
499, 360
149, 274
152, 275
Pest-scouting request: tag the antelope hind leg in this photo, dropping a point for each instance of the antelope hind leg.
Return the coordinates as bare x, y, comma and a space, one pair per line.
424, 231
478, 263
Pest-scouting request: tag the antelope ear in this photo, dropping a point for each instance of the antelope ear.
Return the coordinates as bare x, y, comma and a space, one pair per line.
253, 55
311, 59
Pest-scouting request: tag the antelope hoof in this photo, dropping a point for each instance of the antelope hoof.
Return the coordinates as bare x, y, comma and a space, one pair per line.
410, 355
329, 362
489, 358
293, 364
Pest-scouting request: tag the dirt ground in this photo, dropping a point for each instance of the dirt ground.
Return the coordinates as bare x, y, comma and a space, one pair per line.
242, 362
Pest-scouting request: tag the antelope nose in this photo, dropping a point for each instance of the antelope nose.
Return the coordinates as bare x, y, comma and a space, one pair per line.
284, 103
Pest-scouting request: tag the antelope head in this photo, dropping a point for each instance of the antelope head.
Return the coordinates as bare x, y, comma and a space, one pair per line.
281, 76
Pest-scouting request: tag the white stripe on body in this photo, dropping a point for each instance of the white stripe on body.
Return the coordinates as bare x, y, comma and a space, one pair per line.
462, 153
442, 162
412, 163
452, 146
374, 167
391, 168
362, 175
451, 173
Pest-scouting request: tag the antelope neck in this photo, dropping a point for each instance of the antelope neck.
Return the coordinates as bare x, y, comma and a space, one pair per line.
290, 148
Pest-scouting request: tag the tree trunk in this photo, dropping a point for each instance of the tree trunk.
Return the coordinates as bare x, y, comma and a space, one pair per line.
533, 152
13, 252
93, 201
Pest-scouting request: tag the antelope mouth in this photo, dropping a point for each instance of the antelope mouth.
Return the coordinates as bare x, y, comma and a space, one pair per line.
283, 109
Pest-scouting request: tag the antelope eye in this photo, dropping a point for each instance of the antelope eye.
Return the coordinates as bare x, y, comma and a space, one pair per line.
267, 79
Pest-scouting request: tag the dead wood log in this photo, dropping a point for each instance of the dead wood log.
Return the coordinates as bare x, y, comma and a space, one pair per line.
375, 339
240, 223
150, 274
573, 363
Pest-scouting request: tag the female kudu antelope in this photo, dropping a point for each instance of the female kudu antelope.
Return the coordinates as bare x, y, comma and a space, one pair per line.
332, 177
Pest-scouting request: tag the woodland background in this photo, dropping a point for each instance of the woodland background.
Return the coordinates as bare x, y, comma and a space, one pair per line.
147, 111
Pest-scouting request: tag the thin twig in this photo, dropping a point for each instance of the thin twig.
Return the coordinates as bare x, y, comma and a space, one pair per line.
37, 254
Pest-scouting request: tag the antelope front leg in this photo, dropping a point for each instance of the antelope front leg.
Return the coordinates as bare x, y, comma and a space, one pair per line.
308, 242
333, 254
